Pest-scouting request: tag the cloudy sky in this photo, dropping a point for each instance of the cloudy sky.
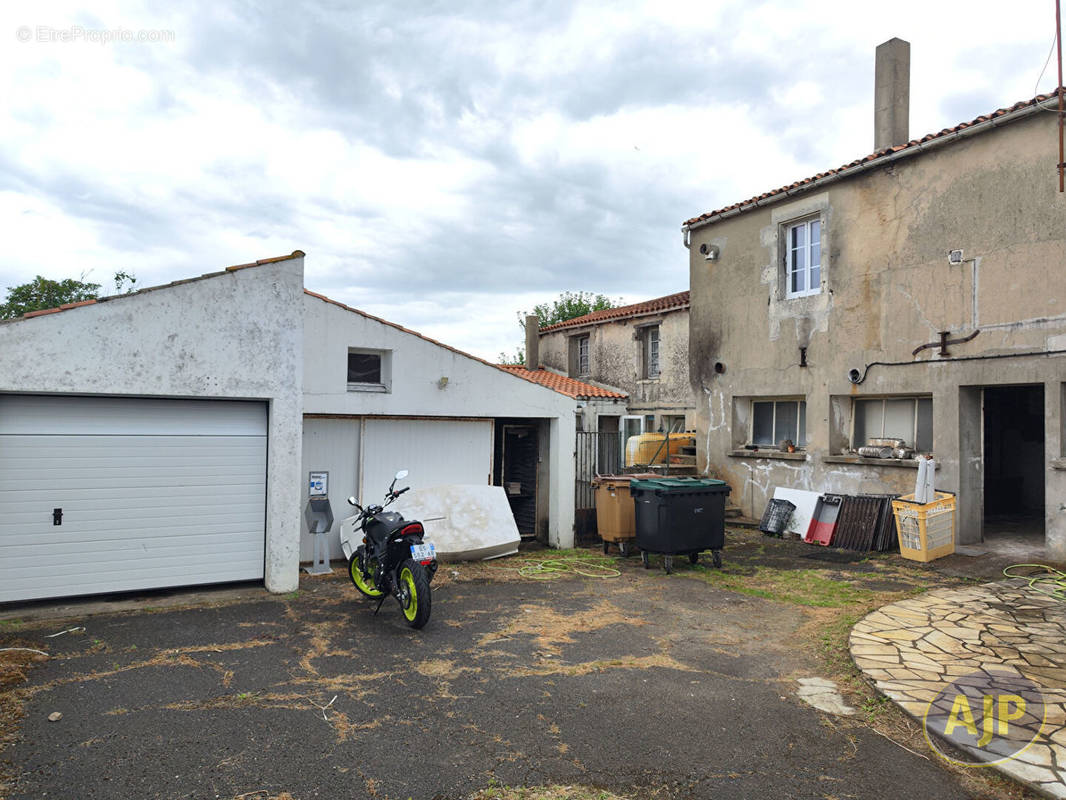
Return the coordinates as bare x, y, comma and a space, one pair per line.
446, 164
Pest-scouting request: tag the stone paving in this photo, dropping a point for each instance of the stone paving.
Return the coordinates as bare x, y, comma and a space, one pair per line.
914, 649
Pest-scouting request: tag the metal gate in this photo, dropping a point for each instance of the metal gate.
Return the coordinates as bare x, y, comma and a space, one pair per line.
597, 453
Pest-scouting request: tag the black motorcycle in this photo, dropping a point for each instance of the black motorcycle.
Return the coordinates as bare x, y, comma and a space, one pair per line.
392, 557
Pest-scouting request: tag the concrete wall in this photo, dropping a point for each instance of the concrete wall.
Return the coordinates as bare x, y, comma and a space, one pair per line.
887, 287
419, 368
234, 335
616, 361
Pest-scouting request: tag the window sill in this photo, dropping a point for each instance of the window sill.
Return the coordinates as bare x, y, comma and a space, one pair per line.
902, 463
780, 455
650, 380
1058, 463
368, 387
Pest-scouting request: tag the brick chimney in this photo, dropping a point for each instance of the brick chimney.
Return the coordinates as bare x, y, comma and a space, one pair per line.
892, 94
532, 341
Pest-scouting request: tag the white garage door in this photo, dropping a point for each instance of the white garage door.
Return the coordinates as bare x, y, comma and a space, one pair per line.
146, 494
436, 452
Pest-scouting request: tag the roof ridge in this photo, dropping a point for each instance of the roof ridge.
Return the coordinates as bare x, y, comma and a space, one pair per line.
872, 157
107, 298
665, 303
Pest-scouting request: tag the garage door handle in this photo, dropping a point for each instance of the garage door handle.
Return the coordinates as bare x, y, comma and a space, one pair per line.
57, 516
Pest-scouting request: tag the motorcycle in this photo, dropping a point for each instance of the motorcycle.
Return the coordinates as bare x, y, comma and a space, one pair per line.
392, 558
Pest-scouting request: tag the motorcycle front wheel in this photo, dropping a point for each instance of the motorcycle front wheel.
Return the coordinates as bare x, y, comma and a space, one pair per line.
355, 572
414, 593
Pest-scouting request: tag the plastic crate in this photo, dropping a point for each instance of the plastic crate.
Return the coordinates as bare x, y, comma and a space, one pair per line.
926, 531
776, 517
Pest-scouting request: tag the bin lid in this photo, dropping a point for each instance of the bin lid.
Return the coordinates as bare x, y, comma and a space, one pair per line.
679, 484
618, 481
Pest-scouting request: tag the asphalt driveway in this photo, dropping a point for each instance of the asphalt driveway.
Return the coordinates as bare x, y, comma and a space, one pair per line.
646, 684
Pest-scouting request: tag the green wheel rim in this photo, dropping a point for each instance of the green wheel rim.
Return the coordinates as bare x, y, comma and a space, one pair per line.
360, 581
410, 610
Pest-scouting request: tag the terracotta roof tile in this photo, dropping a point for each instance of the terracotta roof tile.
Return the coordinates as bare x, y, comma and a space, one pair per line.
913, 143
68, 306
668, 303
571, 387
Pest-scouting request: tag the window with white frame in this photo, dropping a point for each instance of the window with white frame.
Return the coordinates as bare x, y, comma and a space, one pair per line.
369, 370
650, 351
906, 418
774, 421
803, 258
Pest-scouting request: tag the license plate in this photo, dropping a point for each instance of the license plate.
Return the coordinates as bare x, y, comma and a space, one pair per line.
423, 552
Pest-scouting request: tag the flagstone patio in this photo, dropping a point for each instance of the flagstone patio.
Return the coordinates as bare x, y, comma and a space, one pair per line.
913, 649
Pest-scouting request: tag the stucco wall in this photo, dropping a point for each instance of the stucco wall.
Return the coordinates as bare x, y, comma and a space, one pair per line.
472, 389
234, 335
887, 288
616, 361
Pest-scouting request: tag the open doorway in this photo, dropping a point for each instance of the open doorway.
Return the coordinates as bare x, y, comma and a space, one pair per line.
1014, 468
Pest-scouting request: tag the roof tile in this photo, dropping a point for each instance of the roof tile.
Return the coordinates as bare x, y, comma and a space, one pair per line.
667, 303
571, 387
1040, 98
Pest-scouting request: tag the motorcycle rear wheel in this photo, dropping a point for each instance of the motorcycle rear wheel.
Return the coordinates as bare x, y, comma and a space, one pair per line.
417, 598
355, 572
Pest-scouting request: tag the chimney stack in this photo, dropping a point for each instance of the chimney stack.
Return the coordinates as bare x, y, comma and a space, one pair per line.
532, 341
892, 94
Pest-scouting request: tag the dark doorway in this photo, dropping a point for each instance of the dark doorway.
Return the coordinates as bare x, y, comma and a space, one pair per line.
1014, 462
516, 470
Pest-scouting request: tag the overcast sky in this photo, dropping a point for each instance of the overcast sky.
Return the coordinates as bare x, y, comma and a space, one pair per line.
446, 164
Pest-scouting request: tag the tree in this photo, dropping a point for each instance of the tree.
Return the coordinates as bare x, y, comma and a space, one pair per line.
567, 306
41, 293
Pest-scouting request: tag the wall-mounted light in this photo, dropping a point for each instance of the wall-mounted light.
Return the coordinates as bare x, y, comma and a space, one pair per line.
442, 383
710, 252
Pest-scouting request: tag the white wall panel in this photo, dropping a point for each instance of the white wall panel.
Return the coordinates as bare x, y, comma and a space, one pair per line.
436, 452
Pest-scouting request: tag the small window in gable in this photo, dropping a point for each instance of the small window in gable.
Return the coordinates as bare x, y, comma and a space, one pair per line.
369, 370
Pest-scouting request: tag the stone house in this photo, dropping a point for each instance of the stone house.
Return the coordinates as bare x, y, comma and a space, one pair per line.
915, 293
639, 350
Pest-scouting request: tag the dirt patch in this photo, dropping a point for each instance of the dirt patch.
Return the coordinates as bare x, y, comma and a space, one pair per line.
549, 628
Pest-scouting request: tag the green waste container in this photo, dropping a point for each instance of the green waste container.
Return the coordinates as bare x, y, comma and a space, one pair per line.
680, 516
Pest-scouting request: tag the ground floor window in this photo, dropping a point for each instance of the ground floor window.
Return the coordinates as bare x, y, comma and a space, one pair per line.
775, 422
906, 418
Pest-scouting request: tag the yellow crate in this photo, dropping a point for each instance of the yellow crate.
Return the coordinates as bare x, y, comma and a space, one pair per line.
926, 531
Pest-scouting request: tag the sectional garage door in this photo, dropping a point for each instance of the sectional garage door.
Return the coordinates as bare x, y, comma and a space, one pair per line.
116, 494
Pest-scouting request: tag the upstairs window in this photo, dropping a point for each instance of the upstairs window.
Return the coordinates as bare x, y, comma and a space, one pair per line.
579, 357
369, 370
803, 258
650, 351
774, 421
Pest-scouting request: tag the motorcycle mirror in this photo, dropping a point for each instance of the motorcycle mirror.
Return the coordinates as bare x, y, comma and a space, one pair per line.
352, 501
401, 474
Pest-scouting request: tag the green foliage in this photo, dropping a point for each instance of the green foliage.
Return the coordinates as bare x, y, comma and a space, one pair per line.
517, 358
568, 306
42, 293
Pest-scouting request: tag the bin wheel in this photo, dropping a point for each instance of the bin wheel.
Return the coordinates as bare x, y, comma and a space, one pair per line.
623, 548
644, 559
694, 558
606, 546
716, 555
668, 564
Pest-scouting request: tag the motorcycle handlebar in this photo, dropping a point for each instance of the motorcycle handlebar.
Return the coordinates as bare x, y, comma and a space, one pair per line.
404, 489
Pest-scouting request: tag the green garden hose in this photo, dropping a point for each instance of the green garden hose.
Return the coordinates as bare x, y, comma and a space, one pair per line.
1049, 581
549, 568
